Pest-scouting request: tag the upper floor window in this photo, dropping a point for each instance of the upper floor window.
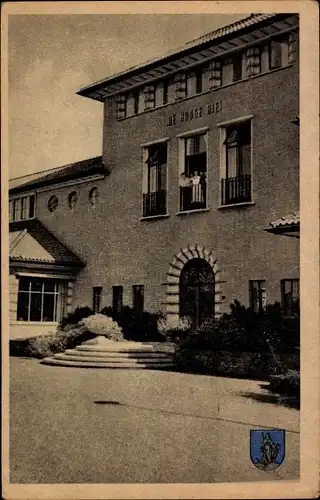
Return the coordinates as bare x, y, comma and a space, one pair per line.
53, 203
93, 196
236, 178
149, 97
194, 82
73, 200
258, 298
180, 80
155, 180
193, 173
290, 296
233, 68
22, 208
165, 88
121, 106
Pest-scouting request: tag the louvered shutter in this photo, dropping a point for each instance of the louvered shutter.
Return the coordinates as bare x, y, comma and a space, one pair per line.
181, 85
253, 61
215, 76
149, 96
121, 105
292, 47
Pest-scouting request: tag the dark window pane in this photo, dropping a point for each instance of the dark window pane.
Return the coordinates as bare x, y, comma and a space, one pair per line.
117, 299
97, 299
24, 284
35, 306
138, 298
49, 286
23, 305
31, 206
36, 285
49, 306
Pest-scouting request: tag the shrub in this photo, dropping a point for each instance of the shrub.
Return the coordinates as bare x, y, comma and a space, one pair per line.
48, 345
99, 324
287, 384
172, 329
73, 318
139, 327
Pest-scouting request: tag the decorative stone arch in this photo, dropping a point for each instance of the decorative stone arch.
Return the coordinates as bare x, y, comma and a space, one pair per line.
172, 302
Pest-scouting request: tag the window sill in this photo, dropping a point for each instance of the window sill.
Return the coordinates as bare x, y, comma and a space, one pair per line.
196, 211
21, 220
153, 217
43, 323
235, 205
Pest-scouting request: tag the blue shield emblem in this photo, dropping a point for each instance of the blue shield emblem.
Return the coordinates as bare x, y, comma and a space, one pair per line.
267, 448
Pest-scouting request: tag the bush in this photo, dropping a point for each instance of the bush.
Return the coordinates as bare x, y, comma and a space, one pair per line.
245, 331
73, 318
287, 384
139, 327
99, 324
172, 329
48, 345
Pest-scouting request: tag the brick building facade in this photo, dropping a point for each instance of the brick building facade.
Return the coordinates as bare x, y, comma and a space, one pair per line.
200, 154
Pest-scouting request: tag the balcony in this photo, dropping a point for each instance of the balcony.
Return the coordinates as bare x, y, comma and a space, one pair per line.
154, 203
236, 190
193, 198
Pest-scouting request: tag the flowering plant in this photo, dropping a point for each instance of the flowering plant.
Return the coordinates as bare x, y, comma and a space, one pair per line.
171, 326
100, 324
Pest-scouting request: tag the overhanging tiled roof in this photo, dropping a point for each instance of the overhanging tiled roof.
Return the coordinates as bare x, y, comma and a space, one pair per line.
72, 171
290, 222
219, 35
30, 241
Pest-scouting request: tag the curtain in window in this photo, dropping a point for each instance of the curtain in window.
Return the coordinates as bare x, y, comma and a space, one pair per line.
215, 74
180, 85
253, 61
275, 54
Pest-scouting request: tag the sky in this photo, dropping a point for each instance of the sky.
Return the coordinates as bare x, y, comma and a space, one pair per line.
52, 56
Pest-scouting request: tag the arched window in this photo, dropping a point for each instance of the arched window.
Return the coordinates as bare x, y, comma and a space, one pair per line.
197, 291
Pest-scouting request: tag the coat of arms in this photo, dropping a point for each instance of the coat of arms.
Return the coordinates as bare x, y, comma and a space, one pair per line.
267, 448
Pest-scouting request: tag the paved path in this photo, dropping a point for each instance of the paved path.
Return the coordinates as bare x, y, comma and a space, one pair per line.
169, 427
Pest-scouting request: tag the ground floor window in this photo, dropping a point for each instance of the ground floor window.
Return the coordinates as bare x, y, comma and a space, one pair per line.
117, 299
96, 302
39, 299
138, 298
257, 295
290, 296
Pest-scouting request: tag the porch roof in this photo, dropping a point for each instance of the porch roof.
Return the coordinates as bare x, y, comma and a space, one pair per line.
31, 242
288, 224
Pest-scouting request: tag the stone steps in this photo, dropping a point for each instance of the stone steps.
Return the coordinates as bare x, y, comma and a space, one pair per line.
99, 353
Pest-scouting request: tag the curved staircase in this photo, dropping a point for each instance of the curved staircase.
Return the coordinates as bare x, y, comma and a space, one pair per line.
103, 353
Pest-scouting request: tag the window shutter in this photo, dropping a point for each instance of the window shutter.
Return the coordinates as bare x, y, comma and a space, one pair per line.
149, 96
292, 47
215, 74
181, 85
253, 61
121, 106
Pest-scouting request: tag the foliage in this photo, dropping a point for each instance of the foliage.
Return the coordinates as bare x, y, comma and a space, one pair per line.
100, 324
73, 318
139, 327
174, 329
243, 330
287, 383
47, 345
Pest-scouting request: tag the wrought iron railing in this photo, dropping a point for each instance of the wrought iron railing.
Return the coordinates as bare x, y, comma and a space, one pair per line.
154, 203
236, 190
192, 197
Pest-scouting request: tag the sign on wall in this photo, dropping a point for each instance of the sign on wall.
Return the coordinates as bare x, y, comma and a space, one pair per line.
193, 113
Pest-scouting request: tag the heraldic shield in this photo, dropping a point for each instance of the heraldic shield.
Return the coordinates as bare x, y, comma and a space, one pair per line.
267, 448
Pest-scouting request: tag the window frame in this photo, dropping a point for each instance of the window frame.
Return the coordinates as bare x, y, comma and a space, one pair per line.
117, 299
262, 295
18, 211
138, 288
96, 299
146, 180
289, 311
57, 297
203, 132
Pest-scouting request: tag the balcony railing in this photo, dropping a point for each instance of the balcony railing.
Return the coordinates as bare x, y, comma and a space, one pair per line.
236, 190
192, 197
154, 203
